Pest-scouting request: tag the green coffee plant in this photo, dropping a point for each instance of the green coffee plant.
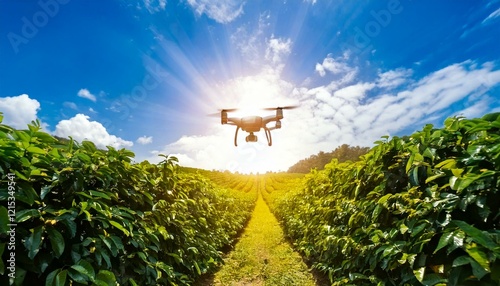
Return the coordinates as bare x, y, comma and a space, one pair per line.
90, 216
421, 209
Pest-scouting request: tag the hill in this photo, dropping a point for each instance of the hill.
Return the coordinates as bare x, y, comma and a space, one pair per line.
342, 153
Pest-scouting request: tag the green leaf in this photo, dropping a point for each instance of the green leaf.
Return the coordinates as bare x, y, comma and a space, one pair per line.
142, 256
383, 199
120, 227
56, 240
61, 278
44, 137
36, 150
20, 275
477, 269
491, 116
444, 241
88, 216
477, 235
461, 260
77, 274
446, 164
110, 244
89, 146
51, 278
432, 178
117, 241
479, 256
105, 278
71, 226
106, 257
84, 157
88, 267
458, 240
429, 153
44, 191
410, 162
433, 279
419, 273
100, 194
165, 267
459, 184
34, 241
413, 176
83, 272
197, 267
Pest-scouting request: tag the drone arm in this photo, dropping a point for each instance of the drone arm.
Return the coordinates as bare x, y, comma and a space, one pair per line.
268, 119
233, 121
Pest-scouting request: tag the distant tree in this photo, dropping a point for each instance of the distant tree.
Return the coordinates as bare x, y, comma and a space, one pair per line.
62, 140
342, 153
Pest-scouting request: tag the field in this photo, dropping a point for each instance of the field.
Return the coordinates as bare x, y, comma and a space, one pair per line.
417, 210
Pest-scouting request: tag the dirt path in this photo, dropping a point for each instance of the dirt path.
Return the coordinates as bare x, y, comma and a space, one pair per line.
262, 256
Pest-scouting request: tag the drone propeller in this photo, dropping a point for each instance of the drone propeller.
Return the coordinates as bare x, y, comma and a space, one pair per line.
228, 109
282, 107
222, 110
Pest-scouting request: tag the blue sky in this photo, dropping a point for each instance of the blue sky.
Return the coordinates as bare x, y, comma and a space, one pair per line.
144, 74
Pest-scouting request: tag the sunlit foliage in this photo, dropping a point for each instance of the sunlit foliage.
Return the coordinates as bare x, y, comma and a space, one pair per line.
88, 216
422, 209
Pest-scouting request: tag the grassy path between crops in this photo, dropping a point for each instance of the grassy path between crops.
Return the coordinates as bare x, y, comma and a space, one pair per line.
262, 256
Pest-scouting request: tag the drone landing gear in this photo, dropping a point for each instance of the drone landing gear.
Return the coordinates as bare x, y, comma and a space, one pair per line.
268, 136
236, 137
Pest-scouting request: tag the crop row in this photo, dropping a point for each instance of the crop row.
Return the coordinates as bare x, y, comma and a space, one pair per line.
237, 182
417, 210
89, 216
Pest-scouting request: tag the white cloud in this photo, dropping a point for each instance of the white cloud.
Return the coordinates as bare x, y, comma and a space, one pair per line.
222, 11
70, 104
92, 110
477, 108
252, 45
19, 110
145, 140
393, 78
277, 50
335, 66
493, 15
154, 6
81, 128
85, 93
343, 111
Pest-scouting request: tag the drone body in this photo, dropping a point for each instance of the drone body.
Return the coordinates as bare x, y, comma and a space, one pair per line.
253, 124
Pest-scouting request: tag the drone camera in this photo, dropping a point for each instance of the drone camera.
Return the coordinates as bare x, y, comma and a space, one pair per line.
251, 138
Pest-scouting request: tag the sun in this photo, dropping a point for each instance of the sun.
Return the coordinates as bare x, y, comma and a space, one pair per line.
250, 94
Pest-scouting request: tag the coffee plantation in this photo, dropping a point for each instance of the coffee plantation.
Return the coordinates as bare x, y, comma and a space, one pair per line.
92, 216
418, 210
421, 209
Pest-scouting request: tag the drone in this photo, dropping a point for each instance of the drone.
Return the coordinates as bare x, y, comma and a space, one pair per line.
253, 124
